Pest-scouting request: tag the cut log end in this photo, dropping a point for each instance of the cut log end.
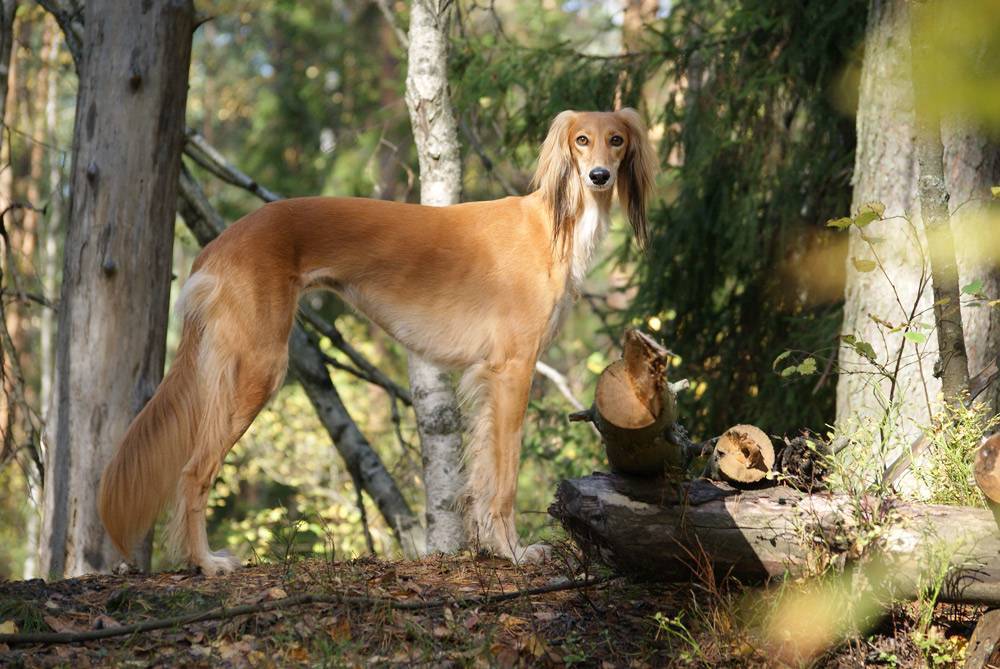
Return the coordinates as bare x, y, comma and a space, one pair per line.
617, 401
987, 467
744, 454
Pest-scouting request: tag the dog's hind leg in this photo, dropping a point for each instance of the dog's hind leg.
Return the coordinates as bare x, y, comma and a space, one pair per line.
247, 381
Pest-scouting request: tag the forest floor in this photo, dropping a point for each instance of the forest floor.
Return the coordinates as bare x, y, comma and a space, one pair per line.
439, 611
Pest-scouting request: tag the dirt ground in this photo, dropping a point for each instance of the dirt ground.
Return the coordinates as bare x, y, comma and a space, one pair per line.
614, 623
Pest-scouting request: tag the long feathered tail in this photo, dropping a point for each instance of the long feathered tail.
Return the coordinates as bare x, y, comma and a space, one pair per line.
143, 474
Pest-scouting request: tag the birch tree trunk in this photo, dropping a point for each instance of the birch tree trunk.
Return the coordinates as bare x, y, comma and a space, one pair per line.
49, 243
435, 132
886, 171
8, 11
128, 136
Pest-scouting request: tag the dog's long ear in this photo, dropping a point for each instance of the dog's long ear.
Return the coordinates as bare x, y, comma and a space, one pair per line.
636, 174
556, 177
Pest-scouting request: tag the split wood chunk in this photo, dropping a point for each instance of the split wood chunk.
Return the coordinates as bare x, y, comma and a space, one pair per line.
744, 454
634, 408
987, 467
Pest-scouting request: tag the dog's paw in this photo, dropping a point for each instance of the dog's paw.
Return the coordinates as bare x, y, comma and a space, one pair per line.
535, 554
218, 563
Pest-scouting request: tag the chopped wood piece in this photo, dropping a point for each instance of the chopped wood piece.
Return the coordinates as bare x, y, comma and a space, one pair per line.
744, 454
804, 462
987, 467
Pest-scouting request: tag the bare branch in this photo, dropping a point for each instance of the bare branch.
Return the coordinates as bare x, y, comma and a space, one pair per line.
393, 22
369, 372
206, 155
561, 383
223, 613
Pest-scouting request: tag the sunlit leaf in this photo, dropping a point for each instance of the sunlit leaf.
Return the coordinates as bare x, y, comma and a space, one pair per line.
839, 223
865, 218
862, 347
973, 288
781, 356
788, 371
863, 265
915, 337
807, 367
875, 207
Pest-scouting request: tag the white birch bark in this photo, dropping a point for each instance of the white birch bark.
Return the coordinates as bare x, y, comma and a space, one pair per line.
128, 136
435, 133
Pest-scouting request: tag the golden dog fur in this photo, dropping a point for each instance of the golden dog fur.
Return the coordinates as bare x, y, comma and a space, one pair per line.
480, 286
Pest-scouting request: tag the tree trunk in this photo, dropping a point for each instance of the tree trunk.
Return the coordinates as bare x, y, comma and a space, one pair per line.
128, 137
435, 133
8, 12
886, 171
953, 367
645, 528
49, 243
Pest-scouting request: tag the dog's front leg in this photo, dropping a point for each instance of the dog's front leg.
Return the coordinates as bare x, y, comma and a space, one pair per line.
494, 459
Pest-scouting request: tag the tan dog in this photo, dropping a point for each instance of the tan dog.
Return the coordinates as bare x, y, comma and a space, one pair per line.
480, 286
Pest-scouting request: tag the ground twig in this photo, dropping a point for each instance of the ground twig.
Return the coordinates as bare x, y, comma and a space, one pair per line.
223, 612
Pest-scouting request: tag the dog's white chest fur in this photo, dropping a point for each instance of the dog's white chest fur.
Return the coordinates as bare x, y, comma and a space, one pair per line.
590, 230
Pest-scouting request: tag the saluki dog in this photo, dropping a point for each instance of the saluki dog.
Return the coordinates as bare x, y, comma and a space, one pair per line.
480, 286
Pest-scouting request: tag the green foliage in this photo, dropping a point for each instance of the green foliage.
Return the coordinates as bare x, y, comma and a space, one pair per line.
763, 153
945, 473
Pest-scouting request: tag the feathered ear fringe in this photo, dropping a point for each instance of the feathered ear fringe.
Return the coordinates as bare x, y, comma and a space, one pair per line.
637, 174
557, 179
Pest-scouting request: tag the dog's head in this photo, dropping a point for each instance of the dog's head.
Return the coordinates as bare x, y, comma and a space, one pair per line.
596, 151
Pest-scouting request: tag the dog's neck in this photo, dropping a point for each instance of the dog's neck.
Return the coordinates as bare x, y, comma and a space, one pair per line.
589, 230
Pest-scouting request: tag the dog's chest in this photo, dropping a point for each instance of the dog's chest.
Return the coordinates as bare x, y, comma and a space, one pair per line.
589, 232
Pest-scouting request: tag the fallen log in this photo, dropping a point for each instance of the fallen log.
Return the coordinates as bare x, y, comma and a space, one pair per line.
661, 531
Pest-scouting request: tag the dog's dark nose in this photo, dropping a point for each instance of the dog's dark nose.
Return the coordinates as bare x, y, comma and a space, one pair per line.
600, 175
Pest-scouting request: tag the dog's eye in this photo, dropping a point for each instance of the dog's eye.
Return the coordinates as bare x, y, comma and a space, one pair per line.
582, 140
617, 140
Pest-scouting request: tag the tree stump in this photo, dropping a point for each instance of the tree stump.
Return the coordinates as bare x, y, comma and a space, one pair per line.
634, 409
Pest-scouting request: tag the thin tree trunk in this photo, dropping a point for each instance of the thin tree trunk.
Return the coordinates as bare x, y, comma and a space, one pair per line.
8, 81
128, 137
8, 12
953, 366
47, 260
49, 244
435, 132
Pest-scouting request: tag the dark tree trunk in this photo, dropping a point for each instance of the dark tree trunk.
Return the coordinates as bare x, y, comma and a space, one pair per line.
128, 138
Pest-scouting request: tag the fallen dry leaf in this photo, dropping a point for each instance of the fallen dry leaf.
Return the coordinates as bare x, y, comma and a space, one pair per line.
103, 621
62, 624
